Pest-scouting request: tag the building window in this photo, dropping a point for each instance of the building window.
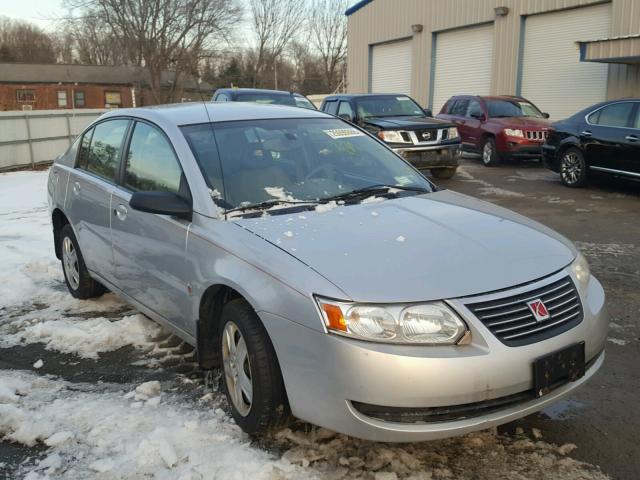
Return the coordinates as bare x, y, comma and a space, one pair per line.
112, 99
78, 98
26, 96
62, 98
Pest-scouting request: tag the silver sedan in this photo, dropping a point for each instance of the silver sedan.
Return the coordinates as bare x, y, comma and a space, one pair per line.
326, 276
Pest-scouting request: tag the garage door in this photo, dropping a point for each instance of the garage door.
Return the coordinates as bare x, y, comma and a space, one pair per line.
464, 59
391, 68
552, 75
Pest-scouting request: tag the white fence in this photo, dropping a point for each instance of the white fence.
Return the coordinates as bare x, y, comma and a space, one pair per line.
29, 138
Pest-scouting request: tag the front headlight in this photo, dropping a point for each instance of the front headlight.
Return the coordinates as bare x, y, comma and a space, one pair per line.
391, 136
581, 270
513, 133
452, 132
425, 324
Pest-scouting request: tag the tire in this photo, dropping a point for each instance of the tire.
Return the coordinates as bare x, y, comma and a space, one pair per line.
444, 172
573, 168
76, 275
264, 407
489, 152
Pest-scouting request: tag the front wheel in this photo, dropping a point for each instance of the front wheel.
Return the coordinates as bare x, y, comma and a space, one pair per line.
445, 172
251, 378
489, 152
573, 168
76, 275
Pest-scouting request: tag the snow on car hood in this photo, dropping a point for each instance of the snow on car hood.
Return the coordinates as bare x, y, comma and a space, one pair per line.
418, 248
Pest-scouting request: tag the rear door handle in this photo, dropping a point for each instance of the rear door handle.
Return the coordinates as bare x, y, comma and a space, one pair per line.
76, 188
120, 211
586, 133
631, 138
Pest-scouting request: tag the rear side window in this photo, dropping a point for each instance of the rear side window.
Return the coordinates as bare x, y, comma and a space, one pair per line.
151, 163
345, 109
105, 148
331, 107
616, 115
83, 155
459, 108
474, 110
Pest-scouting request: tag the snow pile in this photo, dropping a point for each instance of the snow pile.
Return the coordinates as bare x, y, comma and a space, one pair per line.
90, 432
87, 337
280, 194
326, 207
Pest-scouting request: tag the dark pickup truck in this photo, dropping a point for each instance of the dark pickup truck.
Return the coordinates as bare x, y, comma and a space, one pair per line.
426, 142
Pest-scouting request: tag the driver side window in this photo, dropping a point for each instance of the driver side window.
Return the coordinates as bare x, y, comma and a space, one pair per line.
346, 110
151, 163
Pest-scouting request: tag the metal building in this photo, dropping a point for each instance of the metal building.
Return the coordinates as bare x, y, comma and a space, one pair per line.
563, 55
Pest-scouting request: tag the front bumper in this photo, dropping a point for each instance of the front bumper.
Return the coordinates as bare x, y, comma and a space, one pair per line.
433, 156
519, 147
325, 374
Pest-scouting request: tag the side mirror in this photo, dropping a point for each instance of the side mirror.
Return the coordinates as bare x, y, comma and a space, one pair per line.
427, 112
161, 203
545, 115
478, 116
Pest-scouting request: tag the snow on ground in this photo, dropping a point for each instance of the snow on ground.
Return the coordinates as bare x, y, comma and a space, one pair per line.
177, 428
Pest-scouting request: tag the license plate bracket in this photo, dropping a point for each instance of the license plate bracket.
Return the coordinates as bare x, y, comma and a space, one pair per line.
558, 368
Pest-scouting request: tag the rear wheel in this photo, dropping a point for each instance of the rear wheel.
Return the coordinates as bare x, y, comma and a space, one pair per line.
573, 168
76, 275
445, 172
251, 378
489, 152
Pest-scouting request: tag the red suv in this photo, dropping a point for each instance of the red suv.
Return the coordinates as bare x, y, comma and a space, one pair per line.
498, 127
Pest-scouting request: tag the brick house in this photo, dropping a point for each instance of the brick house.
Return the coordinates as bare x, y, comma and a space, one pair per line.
55, 86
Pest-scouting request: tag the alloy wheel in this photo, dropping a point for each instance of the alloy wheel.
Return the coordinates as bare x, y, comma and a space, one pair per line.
571, 168
237, 369
70, 263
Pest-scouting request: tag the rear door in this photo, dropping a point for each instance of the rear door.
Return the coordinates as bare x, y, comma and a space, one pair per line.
149, 249
90, 188
473, 119
608, 137
457, 114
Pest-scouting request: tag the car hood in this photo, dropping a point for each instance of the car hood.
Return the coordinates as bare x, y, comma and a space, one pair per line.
434, 246
408, 123
522, 122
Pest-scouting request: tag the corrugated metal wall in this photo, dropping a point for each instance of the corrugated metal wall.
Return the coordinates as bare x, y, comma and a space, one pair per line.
385, 20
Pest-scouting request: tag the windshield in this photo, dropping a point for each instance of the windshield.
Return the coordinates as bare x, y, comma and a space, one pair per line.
512, 108
388, 106
296, 160
266, 98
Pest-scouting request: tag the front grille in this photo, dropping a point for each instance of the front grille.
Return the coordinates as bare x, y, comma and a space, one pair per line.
511, 320
539, 135
427, 135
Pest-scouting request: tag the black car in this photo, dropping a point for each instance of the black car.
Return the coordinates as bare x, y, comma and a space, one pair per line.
259, 95
411, 131
604, 138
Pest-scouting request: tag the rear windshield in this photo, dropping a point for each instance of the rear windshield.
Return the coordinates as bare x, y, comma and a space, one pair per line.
248, 162
267, 98
388, 106
512, 108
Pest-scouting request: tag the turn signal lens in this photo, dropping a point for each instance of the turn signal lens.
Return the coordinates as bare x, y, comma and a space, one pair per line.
333, 318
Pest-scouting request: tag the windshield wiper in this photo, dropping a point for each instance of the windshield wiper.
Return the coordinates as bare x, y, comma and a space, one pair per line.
268, 204
373, 190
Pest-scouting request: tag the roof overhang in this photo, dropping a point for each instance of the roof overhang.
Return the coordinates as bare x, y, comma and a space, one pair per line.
611, 50
357, 6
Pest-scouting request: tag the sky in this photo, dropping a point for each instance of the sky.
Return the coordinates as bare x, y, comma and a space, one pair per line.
40, 12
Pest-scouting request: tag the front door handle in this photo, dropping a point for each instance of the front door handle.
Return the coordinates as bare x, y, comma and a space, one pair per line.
631, 138
120, 211
76, 188
586, 133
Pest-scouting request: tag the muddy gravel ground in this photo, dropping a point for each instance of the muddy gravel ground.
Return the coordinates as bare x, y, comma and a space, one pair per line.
94, 390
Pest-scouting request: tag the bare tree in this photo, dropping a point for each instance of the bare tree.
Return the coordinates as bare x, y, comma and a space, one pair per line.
165, 35
275, 23
329, 37
23, 42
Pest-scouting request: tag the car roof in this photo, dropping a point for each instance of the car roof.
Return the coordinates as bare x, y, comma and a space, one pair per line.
205, 112
339, 96
492, 97
254, 90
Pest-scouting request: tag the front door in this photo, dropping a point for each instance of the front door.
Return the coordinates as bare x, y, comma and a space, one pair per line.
149, 249
89, 196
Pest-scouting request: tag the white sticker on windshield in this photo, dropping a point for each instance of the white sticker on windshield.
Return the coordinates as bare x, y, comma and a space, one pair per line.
402, 180
343, 133
404, 99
